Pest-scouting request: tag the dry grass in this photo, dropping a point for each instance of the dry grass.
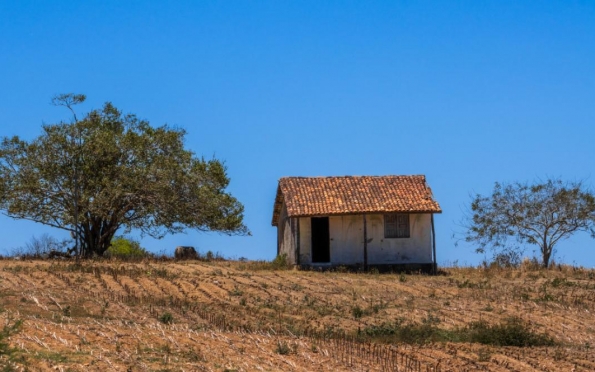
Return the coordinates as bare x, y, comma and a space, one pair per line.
202, 316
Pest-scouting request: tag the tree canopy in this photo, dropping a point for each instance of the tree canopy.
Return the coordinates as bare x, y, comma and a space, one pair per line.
111, 171
540, 214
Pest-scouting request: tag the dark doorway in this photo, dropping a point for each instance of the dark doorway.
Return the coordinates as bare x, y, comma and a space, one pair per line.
321, 251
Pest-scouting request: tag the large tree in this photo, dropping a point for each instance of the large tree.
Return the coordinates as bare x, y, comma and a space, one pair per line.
540, 214
110, 171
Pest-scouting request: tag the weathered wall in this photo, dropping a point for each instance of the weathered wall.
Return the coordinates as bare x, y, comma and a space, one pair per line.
305, 240
415, 249
347, 241
286, 237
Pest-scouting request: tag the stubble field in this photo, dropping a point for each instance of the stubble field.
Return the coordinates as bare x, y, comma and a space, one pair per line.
244, 316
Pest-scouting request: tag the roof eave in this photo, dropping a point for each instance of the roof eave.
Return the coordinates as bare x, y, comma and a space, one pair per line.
360, 213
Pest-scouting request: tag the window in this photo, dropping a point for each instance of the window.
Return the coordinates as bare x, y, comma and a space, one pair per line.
396, 225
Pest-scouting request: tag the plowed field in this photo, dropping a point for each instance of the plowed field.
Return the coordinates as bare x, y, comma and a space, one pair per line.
236, 316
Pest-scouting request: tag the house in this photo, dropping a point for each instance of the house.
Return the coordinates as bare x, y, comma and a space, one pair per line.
359, 221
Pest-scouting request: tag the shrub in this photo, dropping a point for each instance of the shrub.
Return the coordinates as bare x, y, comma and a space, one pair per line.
123, 247
410, 333
507, 258
209, 256
166, 318
512, 332
357, 312
282, 348
42, 246
7, 353
236, 291
280, 262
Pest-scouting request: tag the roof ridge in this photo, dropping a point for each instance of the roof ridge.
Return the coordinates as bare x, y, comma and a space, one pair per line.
356, 176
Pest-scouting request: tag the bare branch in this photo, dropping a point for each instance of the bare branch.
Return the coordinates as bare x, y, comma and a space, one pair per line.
68, 100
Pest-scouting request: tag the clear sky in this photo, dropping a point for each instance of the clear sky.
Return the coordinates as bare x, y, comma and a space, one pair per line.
466, 92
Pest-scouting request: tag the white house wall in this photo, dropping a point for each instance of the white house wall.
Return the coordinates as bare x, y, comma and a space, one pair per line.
415, 249
305, 240
347, 240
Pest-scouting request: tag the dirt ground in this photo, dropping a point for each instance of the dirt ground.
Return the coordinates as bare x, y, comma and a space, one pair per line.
243, 316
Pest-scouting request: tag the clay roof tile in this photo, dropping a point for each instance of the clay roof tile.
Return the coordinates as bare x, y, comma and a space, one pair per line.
315, 196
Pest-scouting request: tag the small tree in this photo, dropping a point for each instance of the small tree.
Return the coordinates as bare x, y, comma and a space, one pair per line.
541, 214
110, 171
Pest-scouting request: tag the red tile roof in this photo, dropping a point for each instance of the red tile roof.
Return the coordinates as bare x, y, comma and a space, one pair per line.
321, 196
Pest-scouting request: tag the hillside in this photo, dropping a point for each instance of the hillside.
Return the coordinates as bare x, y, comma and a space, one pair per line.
218, 316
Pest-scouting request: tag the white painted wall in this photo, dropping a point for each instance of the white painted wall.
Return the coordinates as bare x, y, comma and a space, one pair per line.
415, 249
347, 241
305, 240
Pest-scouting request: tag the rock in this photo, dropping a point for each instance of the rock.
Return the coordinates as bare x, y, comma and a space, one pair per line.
185, 253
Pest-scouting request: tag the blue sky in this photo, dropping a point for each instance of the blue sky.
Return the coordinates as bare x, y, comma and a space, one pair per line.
466, 92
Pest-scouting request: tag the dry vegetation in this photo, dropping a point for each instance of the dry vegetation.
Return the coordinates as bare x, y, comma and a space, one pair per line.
227, 316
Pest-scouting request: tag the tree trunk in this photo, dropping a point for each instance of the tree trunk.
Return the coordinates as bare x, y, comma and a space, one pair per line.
96, 238
546, 253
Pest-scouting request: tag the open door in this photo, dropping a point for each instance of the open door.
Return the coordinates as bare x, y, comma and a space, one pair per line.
321, 249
